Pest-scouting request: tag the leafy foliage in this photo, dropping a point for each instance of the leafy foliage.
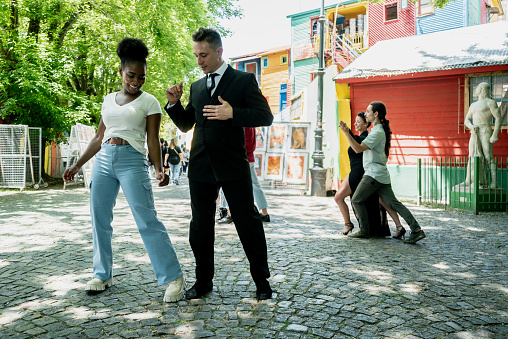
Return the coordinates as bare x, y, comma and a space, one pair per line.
58, 59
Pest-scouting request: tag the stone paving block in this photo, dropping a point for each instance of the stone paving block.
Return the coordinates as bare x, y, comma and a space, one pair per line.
288, 335
350, 331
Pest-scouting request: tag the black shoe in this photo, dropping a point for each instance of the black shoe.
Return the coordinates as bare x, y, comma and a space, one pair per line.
198, 290
359, 235
415, 236
226, 220
264, 218
263, 291
222, 213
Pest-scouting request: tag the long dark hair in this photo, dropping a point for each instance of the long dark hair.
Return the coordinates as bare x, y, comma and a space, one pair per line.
380, 108
131, 49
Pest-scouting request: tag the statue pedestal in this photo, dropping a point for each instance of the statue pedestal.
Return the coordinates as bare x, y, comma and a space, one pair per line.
488, 199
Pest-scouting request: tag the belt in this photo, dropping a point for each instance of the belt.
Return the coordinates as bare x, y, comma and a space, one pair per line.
117, 141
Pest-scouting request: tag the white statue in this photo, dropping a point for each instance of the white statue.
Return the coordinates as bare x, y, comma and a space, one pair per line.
478, 120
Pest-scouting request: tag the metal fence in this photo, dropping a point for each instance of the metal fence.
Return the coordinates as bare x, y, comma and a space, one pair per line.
20, 156
445, 182
13, 155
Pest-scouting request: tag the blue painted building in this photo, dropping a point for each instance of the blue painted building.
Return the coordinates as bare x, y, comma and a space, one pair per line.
456, 14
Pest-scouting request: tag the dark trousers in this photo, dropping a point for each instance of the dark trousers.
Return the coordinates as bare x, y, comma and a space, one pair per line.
369, 186
247, 222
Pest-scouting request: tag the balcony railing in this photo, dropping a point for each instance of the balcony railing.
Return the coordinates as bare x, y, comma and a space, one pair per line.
342, 46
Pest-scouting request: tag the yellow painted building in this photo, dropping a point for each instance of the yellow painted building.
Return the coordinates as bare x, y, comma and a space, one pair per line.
275, 77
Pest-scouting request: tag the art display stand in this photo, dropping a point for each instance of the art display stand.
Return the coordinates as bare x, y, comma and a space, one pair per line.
80, 137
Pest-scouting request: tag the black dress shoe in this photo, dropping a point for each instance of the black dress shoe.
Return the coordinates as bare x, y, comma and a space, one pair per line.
264, 294
264, 218
226, 220
198, 290
263, 290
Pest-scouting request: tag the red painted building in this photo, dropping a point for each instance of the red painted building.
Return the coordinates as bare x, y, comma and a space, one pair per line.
427, 87
388, 20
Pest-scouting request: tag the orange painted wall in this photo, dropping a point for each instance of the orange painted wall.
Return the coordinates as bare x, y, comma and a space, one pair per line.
272, 77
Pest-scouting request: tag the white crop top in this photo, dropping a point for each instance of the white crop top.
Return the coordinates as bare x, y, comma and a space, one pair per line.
129, 121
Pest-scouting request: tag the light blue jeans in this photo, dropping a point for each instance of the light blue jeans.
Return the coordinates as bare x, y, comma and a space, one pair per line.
122, 166
259, 195
175, 171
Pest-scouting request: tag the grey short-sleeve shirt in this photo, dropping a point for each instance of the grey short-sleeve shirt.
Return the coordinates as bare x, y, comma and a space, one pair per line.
374, 159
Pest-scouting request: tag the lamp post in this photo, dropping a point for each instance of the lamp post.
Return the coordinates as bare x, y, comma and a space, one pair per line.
318, 173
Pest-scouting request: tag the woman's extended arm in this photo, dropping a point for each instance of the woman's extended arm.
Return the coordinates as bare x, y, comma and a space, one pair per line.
153, 123
358, 148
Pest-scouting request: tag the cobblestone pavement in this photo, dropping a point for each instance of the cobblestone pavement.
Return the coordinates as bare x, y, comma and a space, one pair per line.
453, 284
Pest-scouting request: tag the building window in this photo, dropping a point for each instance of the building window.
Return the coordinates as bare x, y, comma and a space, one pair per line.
499, 92
391, 12
314, 26
251, 68
284, 59
296, 107
264, 62
425, 7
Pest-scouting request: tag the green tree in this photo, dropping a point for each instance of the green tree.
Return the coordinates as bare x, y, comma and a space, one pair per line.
58, 60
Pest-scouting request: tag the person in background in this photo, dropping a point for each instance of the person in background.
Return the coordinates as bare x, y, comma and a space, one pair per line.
164, 152
259, 195
127, 117
376, 179
174, 159
185, 161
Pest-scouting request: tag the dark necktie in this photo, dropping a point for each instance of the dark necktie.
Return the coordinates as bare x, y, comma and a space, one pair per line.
212, 84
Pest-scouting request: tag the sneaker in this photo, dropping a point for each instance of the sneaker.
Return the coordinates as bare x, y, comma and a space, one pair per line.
264, 218
98, 285
174, 292
226, 220
415, 236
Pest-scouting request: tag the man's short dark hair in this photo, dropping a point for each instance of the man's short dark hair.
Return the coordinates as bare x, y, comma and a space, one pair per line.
209, 35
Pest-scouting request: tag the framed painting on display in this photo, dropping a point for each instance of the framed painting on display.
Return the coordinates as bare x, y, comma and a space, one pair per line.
298, 140
274, 166
296, 168
261, 133
259, 162
277, 138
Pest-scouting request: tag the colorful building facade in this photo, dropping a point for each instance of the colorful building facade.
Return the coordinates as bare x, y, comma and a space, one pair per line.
272, 69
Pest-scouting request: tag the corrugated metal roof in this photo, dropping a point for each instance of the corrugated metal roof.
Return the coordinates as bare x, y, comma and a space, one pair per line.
474, 46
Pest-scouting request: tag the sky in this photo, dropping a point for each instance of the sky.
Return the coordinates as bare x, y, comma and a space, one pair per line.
264, 25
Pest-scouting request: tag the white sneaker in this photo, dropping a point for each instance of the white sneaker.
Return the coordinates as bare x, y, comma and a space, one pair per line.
174, 292
98, 285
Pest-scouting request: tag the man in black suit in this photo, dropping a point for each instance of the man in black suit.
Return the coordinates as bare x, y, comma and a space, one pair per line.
220, 105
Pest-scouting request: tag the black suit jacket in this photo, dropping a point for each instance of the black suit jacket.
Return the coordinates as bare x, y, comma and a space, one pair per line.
218, 146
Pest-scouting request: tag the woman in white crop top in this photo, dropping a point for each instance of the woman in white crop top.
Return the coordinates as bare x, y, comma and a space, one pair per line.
127, 118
